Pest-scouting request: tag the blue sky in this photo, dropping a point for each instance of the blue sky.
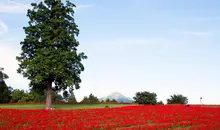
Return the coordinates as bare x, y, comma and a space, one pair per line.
159, 46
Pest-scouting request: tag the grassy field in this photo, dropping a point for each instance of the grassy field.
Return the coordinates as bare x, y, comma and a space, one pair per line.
59, 106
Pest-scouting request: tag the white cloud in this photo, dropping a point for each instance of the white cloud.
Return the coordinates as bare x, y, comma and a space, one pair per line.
17, 3
83, 6
13, 7
3, 27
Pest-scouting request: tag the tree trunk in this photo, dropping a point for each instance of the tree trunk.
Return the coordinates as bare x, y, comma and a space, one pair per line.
49, 95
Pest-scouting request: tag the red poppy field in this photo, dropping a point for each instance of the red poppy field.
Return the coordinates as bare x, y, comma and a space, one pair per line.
130, 118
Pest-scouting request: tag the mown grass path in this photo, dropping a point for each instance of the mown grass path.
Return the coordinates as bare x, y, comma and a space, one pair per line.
60, 106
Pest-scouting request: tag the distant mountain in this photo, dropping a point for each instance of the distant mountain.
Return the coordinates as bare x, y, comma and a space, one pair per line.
118, 97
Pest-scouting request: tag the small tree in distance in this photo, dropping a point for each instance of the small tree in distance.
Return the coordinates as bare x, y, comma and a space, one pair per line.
146, 98
72, 98
114, 101
107, 100
177, 99
66, 95
85, 100
160, 103
93, 99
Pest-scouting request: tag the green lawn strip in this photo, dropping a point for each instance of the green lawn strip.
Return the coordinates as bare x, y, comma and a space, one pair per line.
22, 106
60, 106
85, 106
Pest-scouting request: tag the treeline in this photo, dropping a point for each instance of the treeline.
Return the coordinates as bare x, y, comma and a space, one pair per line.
20, 96
38, 95
150, 98
35, 96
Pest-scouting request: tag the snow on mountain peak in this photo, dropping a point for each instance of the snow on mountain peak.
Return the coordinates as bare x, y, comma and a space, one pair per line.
116, 95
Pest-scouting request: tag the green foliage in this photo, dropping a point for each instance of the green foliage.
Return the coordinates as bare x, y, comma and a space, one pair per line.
66, 95
33, 96
177, 99
39, 94
160, 103
93, 99
113, 101
110, 101
27, 98
39, 88
107, 100
3, 75
145, 98
56, 97
72, 98
49, 50
38, 97
5, 91
85, 100
90, 99
17, 95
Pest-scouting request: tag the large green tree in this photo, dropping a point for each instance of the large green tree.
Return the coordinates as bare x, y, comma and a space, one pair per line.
177, 99
5, 91
49, 51
146, 97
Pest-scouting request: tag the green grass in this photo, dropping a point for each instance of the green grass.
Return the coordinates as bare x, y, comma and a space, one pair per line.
59, 106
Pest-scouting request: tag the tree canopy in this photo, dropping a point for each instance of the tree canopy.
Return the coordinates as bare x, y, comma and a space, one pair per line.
90, 99
17, 95
49, 50
93, 99
72, 98
145, 98
160, 103
85, 100
5, 91
66, 95
177, 99
3, 75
